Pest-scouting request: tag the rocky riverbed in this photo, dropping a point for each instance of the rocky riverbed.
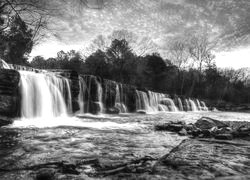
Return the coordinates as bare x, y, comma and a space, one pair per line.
122, 147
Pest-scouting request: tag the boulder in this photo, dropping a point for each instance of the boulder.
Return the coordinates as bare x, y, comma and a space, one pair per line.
208, 123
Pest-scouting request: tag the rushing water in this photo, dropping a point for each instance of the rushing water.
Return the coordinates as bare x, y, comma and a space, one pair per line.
111, 139
44, 95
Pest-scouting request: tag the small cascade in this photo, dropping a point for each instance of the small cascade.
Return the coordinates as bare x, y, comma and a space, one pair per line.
90, 95
99, 96
4, 65
142, 101
187, 105
192, 105
119, 99
44, 95
203, 106
169, 103
180, 104
198, 105
81, 96
154, 102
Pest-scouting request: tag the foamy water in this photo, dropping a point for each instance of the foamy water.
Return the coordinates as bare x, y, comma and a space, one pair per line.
73, 122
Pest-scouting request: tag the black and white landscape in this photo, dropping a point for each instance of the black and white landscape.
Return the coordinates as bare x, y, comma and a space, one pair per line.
124, 89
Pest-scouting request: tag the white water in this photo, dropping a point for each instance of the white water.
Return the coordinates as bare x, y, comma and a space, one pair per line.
180, 104
192, 105
118, 99
73, 122
154, 102
43, 95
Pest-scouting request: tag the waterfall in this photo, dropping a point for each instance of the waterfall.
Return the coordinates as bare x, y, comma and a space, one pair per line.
204, 107
44, 95
198, 105
90, 95
4, 65
192, 105
142, 101
81, 96
153, 102
180, 104
119, 99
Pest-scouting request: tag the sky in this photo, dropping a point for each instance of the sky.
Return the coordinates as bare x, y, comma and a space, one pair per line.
79, 22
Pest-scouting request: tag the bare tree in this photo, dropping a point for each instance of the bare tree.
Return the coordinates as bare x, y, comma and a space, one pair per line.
200, 50
178, 53
140, 45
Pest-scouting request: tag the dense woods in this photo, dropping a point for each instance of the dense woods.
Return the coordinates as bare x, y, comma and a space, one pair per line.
191, 72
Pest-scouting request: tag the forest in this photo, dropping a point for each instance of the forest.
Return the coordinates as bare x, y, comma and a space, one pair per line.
188, 68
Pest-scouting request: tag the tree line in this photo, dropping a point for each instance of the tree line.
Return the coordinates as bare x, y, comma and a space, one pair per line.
189, 70
192, 77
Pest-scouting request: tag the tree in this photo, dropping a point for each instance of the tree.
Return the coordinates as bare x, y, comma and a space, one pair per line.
121, 57
200, 50
16, 42
178, 51
155, 71
39, 62
140, 45
96, 64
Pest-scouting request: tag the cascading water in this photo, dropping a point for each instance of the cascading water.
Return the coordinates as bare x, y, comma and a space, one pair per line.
153, 102
198, 105
192, 105
44, 95
119, 99
81, 96
142, 101
203, 105
180, 104
90, 95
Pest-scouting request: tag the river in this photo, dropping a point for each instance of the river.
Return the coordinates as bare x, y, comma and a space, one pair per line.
110, 138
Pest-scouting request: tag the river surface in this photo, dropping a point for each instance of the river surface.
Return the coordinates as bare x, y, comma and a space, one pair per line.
111, 139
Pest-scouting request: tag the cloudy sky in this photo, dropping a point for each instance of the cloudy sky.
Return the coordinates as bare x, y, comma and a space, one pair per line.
226, 21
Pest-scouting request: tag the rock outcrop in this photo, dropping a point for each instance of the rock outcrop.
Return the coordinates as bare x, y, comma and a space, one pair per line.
206, 159
9, 95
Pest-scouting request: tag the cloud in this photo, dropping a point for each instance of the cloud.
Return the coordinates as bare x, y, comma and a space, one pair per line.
80, 21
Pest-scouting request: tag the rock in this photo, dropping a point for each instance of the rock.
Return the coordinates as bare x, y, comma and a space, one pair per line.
113, 110
141, 112
224, 136
174, 127
8, 105
205, 159
242, 132
183, 132
205, 133
5, 121
208, 123
45, 174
